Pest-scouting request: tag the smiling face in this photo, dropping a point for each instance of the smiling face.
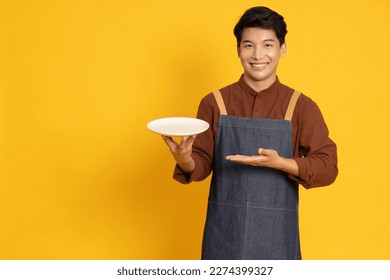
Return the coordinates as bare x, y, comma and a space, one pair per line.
259, 51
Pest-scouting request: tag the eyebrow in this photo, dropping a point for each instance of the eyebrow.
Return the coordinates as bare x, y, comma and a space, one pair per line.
266, 40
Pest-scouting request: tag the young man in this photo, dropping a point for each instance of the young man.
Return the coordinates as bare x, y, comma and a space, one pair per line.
264, 140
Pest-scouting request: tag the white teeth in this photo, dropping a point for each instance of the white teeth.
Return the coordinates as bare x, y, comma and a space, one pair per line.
259, 65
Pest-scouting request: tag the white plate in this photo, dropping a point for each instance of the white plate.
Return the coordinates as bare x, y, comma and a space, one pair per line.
178, 126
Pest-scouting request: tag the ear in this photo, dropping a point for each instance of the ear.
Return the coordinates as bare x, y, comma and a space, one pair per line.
238, 51
283, 49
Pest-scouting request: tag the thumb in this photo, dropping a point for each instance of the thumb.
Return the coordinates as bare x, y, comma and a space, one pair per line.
263, 152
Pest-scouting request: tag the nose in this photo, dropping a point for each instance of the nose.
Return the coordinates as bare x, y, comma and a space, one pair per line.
257, 52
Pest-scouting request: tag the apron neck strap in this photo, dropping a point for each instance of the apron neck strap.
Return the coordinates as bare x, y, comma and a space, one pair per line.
290, 109
220, 103
291, 105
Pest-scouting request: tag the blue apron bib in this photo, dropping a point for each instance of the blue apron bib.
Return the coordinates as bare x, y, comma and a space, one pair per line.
252, 211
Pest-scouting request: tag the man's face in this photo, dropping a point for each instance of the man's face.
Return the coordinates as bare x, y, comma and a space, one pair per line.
259, 52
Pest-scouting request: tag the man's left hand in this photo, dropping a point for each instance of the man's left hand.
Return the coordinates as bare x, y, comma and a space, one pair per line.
267, 158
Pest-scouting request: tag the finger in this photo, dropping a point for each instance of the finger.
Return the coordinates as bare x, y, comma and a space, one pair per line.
169, 141
249, 160
188, 140
232, 157
191, 139
237, 158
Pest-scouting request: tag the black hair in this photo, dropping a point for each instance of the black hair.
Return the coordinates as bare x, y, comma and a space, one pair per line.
261, 17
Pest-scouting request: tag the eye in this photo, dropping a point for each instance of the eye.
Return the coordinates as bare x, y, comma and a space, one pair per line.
268, 45
248, 45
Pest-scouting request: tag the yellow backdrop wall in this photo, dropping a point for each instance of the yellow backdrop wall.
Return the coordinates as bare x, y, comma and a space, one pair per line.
82, 178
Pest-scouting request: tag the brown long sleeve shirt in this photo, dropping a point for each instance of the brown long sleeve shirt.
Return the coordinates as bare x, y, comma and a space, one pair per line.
314, 152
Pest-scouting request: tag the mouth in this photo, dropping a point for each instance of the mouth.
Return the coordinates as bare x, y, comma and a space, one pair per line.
259, 65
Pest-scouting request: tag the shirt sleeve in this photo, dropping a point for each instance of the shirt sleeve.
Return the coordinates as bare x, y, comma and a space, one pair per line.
203, 148
315, 153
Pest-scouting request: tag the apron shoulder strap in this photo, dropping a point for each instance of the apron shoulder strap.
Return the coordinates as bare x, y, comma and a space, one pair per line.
289, 112
220, 103
291, 105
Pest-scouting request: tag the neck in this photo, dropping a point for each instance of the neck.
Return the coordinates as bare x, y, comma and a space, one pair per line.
260, 85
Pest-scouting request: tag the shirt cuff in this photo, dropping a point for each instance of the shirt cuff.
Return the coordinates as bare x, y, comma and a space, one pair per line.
180, 176
199, 173
304, 177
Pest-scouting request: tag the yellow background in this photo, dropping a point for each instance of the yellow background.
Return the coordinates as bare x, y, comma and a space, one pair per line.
82, 178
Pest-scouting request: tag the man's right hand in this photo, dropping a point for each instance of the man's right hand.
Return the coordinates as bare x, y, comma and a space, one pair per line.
182, 153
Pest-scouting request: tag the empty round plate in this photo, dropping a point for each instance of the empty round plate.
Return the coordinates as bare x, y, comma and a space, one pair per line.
178, 126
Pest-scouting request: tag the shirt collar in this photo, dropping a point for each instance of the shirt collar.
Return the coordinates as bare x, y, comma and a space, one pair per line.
251, 91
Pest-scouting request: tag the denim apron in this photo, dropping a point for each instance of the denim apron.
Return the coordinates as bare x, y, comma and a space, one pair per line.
252, 211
